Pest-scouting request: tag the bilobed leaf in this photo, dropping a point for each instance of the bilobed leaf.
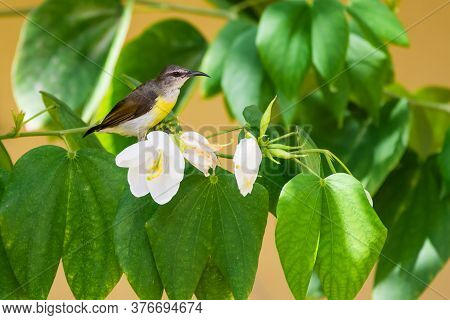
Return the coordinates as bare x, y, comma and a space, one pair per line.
90, 264
64, 118
214, 59
68, 48
5, 159
329, 37
213, 285
284, 44
351, 235
297, 231
429, 125
9, 286
144, 57
380, 20
180, 234
209, 221
243, 75
133, 246
366, 70
238, 228
33, 215
417, 216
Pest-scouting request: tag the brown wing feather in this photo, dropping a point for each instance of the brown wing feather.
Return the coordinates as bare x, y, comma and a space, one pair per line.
137, 103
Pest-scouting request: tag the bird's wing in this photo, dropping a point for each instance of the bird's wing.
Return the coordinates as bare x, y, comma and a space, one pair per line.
133, 106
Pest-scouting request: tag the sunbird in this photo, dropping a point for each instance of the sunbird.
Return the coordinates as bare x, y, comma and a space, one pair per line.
147, 105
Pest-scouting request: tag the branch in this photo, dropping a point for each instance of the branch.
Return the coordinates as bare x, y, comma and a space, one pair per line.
10, 12
59, 133
189, 9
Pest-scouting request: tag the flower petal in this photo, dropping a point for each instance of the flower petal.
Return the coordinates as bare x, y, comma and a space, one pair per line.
163, 188
137, 182
247, 159
129, 156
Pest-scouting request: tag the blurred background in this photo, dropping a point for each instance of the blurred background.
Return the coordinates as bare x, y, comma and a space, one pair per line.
426, 62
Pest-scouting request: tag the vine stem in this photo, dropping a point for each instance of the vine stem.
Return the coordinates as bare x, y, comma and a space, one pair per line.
189, 9
59, 133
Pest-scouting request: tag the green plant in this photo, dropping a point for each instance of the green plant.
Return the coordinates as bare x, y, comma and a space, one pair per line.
329, 65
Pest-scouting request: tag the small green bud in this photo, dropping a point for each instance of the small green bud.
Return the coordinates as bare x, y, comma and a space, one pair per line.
265, 119
282, 154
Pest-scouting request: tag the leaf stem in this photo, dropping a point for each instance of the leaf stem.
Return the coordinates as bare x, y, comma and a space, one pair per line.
329, 153
307, 167
283, 137
39, 113
189, 9
420, 103
224, 131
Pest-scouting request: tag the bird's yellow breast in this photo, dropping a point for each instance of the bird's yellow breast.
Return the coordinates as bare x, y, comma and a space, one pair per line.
160, 110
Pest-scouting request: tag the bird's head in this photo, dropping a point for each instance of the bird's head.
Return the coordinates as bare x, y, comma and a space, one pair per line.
173, 77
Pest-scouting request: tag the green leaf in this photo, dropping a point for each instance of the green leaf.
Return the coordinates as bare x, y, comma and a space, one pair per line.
133, 246
9, 286
418, 219
78, 43
214, 59
32, 223
5, 159
351, 237
429, 125
90, 265
336, 96
380, 20
444, 160
284, 44
252, 116
366, 71
213, 285
64, 118
336, 210
243, 75
144, 57
297, 231
210, 221
330, 34
374, 152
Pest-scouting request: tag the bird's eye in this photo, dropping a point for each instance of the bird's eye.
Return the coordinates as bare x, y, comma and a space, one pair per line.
176, 74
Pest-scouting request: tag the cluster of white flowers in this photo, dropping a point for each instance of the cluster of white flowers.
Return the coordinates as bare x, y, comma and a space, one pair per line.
156, 165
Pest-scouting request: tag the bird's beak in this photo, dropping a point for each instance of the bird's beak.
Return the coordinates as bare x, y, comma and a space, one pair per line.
198, 73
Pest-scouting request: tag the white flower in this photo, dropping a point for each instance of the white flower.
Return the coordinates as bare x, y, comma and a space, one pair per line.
199, 152
155, 166
247, 159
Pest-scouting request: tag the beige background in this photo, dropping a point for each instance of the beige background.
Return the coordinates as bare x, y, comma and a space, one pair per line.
426, 62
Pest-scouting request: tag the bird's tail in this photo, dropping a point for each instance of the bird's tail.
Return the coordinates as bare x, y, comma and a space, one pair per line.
93, 129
